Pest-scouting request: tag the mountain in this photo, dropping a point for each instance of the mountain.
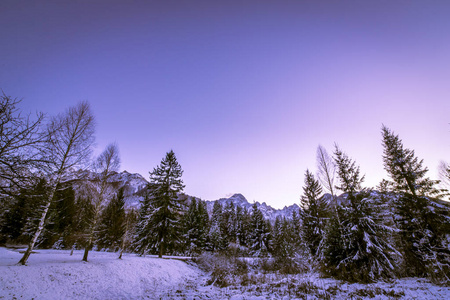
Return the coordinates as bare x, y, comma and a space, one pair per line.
267, 211
134, 186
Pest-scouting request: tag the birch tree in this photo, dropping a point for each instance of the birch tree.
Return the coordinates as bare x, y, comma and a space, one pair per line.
105, 165
19, 138
68, 145
326, 170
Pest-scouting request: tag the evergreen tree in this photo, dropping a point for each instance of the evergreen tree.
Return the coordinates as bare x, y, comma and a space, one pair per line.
422, 229
227, 223
143, 231
160, 224
284, 244
217, 240
78, 235
242, 225
195, 224
356, 247
296, 229
112, 223
60, 219
131, 219
258, 234
313, 214
22, 213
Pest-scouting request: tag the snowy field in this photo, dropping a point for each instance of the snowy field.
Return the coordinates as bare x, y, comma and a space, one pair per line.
54, 274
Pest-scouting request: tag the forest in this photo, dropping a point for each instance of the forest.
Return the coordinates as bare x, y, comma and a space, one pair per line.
400, 228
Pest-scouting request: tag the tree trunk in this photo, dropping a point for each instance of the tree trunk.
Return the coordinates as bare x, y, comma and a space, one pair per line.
38, 232
86, 252
91, 237
161, 250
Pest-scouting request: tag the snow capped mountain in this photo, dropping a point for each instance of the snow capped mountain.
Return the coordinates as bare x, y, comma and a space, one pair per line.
134, 186
267, 211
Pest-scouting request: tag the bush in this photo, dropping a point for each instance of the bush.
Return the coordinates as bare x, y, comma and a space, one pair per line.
224, 269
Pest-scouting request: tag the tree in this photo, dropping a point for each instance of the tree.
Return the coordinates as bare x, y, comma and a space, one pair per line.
357, 246
326, 170
242, 225
195, 223
313, 214
22, 213
422, 230
163, 219
60, 218
143, 236
216, 239
105, 165
348, 173
228, 223
68, 145
258, 242
20, 136
131, 218
444, 176
111, 228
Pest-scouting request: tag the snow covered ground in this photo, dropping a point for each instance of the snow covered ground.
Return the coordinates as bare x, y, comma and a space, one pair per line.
54, 274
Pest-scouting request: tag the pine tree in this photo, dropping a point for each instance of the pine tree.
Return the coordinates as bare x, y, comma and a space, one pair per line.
283, 239
228, 222
217, 240
422, 229
356, 247
242, 225
296, 229
161, 221
195, 225
112, 223
78, 236
60, 219
22, 213
143, 231
313, 214
131, 219
258, 234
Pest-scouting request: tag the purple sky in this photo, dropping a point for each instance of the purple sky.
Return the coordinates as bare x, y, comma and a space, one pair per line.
243, 92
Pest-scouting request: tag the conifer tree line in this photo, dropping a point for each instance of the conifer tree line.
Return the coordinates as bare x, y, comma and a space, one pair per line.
400, 228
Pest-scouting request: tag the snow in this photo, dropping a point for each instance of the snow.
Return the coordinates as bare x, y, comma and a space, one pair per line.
54, 274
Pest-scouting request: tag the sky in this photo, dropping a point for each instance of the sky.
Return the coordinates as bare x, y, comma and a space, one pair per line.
242, 91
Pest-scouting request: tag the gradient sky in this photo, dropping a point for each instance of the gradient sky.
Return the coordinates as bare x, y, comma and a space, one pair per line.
242, 91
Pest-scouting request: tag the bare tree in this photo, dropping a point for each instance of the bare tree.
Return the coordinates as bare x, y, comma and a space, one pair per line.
70, 137
444, 176
19, 139
105, 165
326, 170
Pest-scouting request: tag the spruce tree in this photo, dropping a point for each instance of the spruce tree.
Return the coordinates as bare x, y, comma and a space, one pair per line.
313, 214
217, 240
195, 224
60, 219
357, 247
422, 229
258, 234
167, 208
242, 225
112, 223
228, 222
283, 240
